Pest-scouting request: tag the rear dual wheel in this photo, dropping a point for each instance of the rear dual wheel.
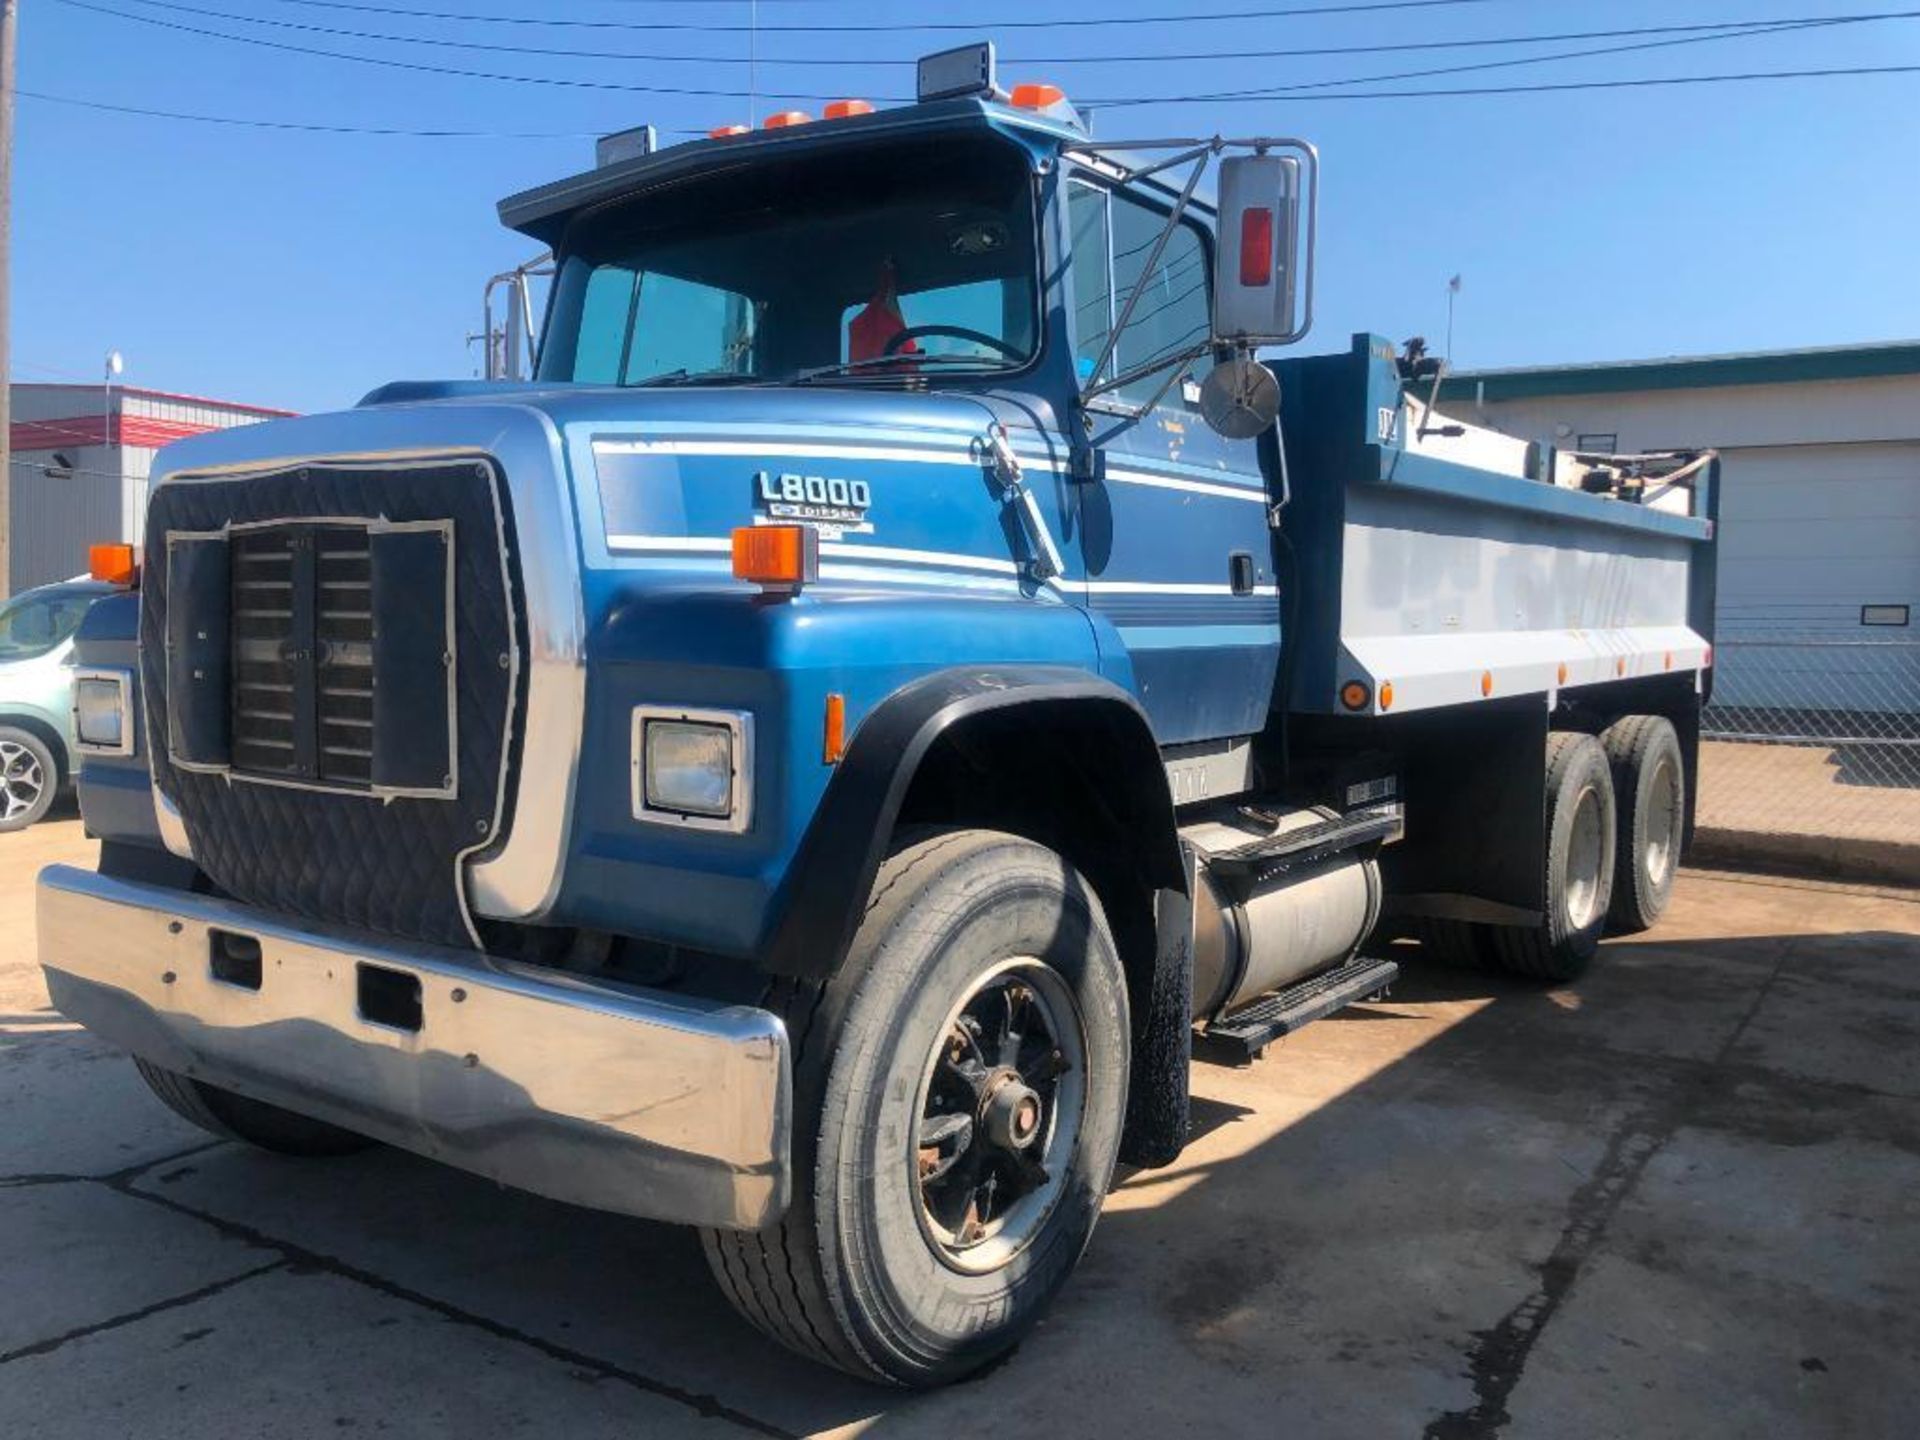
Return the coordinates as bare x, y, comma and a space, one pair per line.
960, 1085
1578, 887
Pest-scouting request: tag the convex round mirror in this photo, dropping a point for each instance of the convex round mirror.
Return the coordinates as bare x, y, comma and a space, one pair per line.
1240, 398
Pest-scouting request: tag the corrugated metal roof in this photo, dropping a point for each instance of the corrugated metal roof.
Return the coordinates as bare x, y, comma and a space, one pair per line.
1689, 372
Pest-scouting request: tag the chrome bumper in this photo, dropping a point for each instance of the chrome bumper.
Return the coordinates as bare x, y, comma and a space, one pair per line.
601, 1095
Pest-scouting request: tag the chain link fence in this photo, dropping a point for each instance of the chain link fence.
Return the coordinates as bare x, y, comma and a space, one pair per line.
1814, 735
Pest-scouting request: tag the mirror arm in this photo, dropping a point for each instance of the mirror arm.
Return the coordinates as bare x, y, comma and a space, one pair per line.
1179, 362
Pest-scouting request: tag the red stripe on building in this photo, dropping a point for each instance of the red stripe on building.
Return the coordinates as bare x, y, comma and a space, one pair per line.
142, 431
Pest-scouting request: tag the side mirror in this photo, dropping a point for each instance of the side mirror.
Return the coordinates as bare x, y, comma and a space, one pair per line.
1259, 284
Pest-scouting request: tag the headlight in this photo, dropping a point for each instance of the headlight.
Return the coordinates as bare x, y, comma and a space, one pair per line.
101, 722
692, 767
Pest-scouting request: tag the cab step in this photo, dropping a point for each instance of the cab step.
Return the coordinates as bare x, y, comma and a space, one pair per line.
1238, 1039
1310, 843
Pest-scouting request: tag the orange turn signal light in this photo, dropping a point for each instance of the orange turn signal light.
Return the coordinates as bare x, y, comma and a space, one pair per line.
836, 733
845, 109
1386, 694
1036, 96
721, 132
1563, 672
1486, 683
780, 557
112, 563
1355, 695
781, 119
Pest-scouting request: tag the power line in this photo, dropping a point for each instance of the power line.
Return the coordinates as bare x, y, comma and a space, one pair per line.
1616, 84
1352, 7
1292, 91
1756, 28
256, 123
842, 62
421, 68
253, 122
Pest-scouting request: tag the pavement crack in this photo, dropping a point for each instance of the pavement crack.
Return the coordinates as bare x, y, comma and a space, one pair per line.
114, 1178
1497, 1358
191, 1297
298, 1259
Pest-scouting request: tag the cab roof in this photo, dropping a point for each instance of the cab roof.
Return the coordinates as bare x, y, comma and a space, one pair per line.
544, 211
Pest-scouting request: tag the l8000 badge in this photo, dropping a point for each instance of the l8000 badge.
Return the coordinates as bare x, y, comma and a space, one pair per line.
833, 506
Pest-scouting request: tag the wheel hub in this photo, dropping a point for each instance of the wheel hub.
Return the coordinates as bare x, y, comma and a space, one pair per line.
1000, 1106
1011, 1113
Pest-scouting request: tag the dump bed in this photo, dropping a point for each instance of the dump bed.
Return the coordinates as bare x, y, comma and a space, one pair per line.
1430, 580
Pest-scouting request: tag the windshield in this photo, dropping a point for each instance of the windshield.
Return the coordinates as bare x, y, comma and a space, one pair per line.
909, 260
41, 619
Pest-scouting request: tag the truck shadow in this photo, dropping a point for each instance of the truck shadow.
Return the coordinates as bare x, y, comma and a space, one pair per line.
1357, 1214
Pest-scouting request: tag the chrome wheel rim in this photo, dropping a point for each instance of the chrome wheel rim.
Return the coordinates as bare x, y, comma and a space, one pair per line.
1001, 1100
1586, 847
22, 780
1662, 821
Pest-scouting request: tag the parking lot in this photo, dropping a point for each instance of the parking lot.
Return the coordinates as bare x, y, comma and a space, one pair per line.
1679, 1198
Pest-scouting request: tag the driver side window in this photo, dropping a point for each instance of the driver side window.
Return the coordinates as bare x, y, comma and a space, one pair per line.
1113, 237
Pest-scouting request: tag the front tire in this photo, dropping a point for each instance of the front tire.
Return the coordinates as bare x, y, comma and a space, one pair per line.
235, 1117
960, 1085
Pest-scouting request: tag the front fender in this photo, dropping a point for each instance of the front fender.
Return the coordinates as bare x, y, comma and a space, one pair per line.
823, 896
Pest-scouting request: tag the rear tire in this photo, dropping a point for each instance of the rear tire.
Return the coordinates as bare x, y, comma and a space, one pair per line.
1650, 785
947, 1178
1580, 839
236, 1117
1462, 944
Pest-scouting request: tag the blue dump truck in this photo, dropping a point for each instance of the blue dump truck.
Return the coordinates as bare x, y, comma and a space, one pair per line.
822, 759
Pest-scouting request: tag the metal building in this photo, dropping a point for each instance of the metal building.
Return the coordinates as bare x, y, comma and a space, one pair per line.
81, 456
1819, 504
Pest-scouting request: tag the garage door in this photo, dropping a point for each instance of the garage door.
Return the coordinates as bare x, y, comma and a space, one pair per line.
1813, 539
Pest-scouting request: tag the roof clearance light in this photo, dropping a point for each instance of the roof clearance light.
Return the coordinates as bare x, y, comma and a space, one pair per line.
1036, 96
847, 109
112, 563
777, 557
722, 132
781, 119
1256, 245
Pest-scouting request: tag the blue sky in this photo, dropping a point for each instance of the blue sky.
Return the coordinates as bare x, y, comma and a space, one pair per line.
303, 269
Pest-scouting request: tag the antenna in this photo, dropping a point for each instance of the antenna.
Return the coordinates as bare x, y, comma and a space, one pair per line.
1453, 291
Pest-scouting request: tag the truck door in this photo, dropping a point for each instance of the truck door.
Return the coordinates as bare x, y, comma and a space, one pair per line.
1174, 523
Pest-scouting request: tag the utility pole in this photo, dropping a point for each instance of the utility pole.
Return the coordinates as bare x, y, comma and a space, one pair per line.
8, 35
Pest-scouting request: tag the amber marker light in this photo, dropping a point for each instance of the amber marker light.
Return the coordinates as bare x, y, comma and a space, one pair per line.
112, 563
722, 132
1563, 672
1386, 694
1036, 96
1355, 695
785, 119
777, 557
836, 736
1486, 683
847, 109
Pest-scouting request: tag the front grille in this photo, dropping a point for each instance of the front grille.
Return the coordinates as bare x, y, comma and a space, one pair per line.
332, 652
303, 653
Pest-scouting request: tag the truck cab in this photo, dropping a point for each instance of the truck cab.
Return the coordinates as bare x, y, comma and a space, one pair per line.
815, 761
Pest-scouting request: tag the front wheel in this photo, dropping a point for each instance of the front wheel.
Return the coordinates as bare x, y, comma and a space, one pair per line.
960, 1086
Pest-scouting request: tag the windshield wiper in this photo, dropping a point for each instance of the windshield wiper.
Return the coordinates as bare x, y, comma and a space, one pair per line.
684, 376
986, 363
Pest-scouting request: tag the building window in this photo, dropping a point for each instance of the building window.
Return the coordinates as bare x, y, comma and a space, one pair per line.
1599, 442
1883, 615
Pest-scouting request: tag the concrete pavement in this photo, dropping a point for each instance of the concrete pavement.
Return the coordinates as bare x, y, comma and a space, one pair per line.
1681, 1198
